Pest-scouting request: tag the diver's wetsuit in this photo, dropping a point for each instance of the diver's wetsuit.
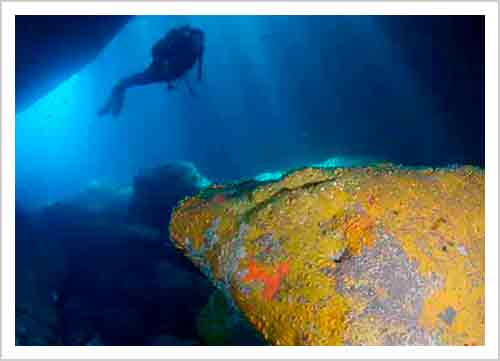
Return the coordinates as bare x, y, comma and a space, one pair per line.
173, 55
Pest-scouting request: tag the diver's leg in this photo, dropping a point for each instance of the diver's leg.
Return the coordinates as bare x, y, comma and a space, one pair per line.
144, 78
106, 108
117, 97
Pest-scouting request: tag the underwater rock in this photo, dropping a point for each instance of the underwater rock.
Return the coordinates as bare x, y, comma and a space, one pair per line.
169, 340
40, 267
95, 341
158, 190
81, 274
136, 288
104, 200
221, 324
61, 45
379, 255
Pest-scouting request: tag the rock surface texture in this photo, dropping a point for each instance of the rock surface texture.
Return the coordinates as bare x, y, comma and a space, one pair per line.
379, 255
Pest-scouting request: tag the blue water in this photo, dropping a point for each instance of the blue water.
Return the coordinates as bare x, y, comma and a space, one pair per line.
278, 92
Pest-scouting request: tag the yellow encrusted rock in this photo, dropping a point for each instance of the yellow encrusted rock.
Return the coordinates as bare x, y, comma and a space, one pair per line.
379, 255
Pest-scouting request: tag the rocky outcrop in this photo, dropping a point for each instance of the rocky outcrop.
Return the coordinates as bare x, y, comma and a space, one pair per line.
379, 255
49, 49
85, 275
40, 268
156, 192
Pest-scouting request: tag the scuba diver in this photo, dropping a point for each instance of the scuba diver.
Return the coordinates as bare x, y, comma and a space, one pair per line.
173, 56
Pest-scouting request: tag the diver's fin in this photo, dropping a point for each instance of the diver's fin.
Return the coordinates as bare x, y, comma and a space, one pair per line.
105, 108
114, 104
117, 106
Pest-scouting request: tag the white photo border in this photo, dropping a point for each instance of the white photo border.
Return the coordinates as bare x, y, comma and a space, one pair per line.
175, 7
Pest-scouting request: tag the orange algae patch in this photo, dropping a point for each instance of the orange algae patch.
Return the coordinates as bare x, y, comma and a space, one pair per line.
219, 199
271, 281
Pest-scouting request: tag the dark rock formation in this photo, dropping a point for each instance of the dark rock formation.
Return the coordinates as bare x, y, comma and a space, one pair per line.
84, 275
158, 190
40, 268
102, 200
49, 49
